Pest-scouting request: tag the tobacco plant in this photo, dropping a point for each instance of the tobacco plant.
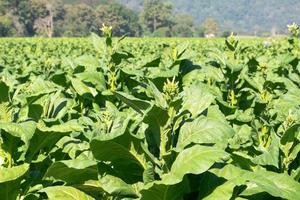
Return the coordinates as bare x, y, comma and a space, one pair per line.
118, 118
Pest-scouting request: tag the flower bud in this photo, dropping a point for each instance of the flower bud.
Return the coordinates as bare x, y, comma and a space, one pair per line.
106, 30
293, 29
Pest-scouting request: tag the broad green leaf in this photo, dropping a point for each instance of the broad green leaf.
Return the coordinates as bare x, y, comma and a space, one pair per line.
157, 72
72, 146
215, 113
89, 187
225, 191
117, 187
270, 156
65, 193
94, 77
194, 160
10, 181
242, 116
290, 134
87, 61
164, 192
158, 96
149, 174
276, 184
73, 171
117, 57
196, 99
97, 42
13, 173
121, 151
242, 139
204, 130
69, 126
39, 87
46, 137
24, 130
6, 112
138, 105
81, 88
120, 157
156, 118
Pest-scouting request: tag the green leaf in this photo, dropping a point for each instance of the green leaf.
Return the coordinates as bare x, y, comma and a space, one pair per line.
194, 160
24, 130
290, 134
225, 191
39, 87
4, 89
69, 126
117, 57
73, 171
94, 77
215, 113
65, 193
10, 181
46, 137
138, 105
117, 187
243, 137
87, 61
158, 96
278, 185
121, 151
196, 99
270, 156
148, 174
13, 173
156, 118
97, 42
72, 146
164, 192
81, 88
204, 130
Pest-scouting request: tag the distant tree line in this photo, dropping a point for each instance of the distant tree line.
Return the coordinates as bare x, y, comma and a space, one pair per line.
59, 18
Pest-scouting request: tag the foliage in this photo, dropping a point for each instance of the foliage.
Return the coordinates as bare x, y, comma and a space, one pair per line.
243, 16
6, 26
79, 18
210, 26
110, 118
156, 15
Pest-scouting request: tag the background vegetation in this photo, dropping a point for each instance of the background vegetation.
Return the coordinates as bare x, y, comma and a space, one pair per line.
175, 18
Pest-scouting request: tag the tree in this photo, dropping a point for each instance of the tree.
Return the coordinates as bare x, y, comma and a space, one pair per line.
17, 11
6, 26
184, 26
210, 26
44, 15
122, 19
78, 20
2, 8
156, 15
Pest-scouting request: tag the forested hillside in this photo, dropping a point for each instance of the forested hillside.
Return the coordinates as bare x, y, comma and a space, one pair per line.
158, 18
238, 15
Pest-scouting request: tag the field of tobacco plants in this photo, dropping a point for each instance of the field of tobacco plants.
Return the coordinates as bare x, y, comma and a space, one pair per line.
173, 119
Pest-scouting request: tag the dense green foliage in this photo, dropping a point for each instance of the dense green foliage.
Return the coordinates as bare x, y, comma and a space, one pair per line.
104, 118
176, 18
78, 18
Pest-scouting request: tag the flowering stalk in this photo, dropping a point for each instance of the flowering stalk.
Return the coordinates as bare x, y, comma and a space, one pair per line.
170, 92
107, 32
